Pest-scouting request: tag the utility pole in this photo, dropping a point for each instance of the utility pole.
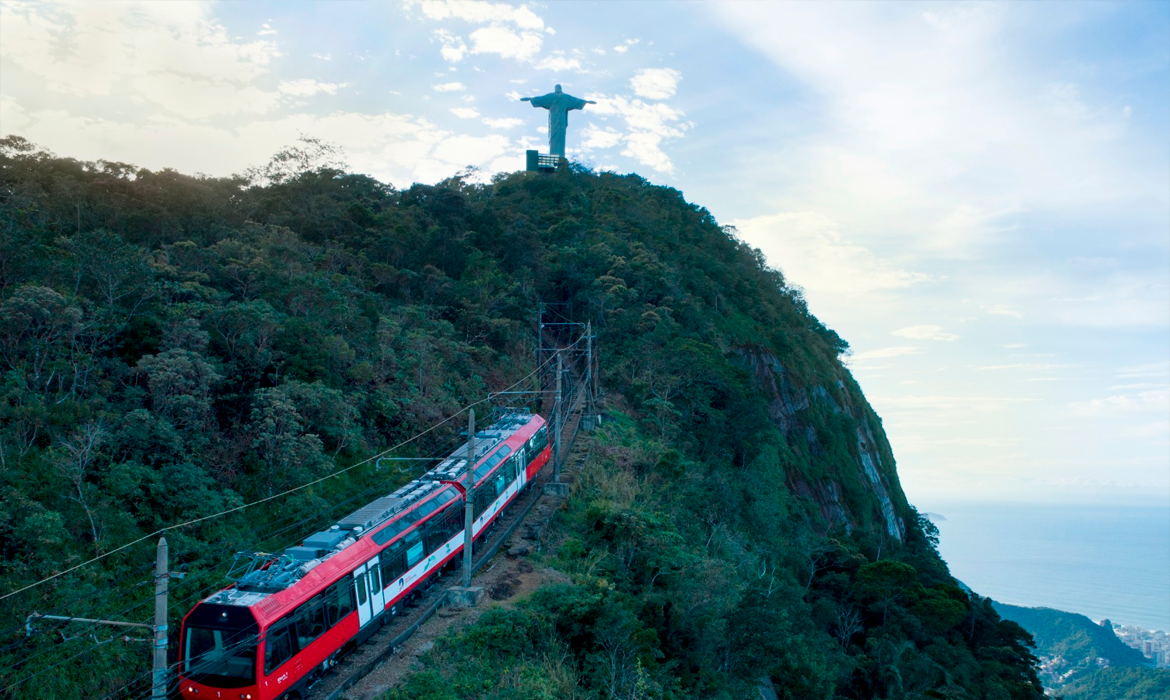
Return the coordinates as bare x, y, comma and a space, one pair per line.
159, 666
557, 423
468, 516
589, 371
161, 581
596, 370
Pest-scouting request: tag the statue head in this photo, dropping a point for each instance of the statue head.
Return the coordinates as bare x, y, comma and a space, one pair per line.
558, 88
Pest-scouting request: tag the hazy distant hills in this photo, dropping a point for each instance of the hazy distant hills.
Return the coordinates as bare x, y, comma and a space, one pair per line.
1083, 660
1119, 684
1071, 635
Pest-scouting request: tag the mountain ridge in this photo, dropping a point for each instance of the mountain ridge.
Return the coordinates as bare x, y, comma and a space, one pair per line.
222, 340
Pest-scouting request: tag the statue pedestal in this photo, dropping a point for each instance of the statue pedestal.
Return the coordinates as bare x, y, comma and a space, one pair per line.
538, 162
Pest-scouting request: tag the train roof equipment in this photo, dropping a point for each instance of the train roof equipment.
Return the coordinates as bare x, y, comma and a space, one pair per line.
259, 574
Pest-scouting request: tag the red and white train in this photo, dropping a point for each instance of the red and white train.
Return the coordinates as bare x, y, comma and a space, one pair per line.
272, 633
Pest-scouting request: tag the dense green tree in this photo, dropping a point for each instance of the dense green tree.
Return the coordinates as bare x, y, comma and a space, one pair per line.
173, 346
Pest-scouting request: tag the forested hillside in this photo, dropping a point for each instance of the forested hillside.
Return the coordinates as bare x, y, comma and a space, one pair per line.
1072, 644
173, 347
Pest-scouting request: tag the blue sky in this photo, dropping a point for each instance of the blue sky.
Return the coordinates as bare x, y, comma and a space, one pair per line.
976, 196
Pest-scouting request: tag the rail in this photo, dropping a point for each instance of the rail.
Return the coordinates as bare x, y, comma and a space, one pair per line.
572, 426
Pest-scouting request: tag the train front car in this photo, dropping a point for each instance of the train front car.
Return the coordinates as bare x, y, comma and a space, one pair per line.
291, 615
218, 653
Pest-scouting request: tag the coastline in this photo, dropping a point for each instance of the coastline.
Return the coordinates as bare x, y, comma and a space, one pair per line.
1103, 562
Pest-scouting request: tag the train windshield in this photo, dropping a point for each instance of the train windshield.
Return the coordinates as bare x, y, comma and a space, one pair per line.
219, 646
214, 656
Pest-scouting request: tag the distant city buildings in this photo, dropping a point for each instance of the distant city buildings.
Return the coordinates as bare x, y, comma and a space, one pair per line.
1154, 644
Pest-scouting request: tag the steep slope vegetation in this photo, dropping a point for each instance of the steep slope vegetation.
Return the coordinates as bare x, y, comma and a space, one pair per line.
174, 346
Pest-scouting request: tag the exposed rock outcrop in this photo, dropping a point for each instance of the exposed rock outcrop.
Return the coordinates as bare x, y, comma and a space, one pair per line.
794, 409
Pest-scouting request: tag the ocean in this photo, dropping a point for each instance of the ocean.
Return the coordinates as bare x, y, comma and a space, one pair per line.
1105, 562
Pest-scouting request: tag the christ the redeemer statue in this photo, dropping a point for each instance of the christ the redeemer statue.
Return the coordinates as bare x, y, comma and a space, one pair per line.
558, 105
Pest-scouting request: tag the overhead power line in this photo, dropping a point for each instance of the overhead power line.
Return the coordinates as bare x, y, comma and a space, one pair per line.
246, 506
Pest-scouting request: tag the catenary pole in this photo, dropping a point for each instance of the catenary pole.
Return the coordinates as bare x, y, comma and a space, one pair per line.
589, 369
557, 422
469, 484
161, 581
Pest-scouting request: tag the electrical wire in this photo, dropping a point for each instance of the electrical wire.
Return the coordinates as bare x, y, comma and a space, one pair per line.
295, 489
279, 529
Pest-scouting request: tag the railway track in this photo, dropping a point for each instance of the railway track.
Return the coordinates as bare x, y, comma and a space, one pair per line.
397, 630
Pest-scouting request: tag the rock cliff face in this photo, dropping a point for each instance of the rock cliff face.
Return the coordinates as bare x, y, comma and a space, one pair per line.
856, 487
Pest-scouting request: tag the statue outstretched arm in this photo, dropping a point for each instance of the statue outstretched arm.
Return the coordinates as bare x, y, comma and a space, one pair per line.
525, 99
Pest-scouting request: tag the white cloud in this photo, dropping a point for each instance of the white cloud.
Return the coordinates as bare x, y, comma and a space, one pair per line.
898, 90
809, 248
454, 48
881, 353
1005, 310
322, 56
924, 333
465, 112
557, 61
306, 87
600, 138
646, 126
505, 43
521, 40
449, 87
625, 45
195, 98
477, 12
505, 123
655, 83
1029, 366
460, 150
173, 54
1150, 370
266, 30
1154, 401
957, 404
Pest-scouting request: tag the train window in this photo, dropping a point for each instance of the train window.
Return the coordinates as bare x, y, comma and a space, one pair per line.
483, 496
491, 462
375, 582
445, 497
432, 534
310, 621
441, 528
220, 655
360, 582
427, 508
414, 548
501, 482
279, 647
393, 563
454, 520
389, 532
339, 602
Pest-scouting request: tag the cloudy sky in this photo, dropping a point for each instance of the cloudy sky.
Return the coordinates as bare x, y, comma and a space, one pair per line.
976, 196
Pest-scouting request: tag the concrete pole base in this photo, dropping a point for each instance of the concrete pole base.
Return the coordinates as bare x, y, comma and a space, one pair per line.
464, 597
558, 489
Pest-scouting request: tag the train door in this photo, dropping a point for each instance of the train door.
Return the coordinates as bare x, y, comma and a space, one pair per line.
377, 595
361, 586
522, 468
367, 581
